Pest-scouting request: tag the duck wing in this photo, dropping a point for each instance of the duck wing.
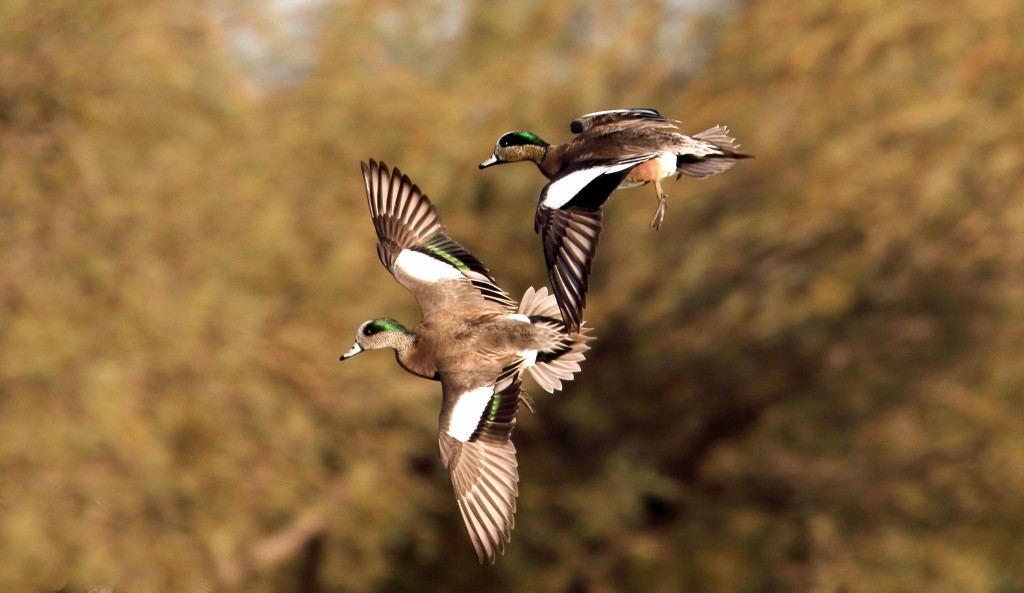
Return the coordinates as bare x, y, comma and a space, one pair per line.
570, 237
414, 246
589, 121
477, 417
569, 220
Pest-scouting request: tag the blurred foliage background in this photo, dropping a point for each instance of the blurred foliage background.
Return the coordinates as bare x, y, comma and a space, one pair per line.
809, 380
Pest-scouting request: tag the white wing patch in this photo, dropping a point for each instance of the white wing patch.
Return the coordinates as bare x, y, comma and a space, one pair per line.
423, 267
467, 411
562, 190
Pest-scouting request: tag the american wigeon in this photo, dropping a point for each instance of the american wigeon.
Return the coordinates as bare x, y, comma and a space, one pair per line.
612, 149
475, 340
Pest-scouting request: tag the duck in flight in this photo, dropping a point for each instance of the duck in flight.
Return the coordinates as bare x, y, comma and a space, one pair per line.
475, 340
612, 149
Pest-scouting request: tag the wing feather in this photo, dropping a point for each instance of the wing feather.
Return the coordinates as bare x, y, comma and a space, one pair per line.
483, 466
414, 246
589, 121
570, 238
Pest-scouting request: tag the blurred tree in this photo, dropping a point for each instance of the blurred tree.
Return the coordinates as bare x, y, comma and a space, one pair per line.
808, 380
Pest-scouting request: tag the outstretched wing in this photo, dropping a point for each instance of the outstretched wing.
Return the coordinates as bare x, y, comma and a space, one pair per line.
475, 441
570, 239
415, 248
569, 221
589, 121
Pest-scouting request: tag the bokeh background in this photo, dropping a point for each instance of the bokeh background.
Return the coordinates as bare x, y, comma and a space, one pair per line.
808, 380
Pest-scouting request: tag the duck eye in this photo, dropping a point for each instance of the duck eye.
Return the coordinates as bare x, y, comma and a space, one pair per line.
505, 140
518, 139
369, 330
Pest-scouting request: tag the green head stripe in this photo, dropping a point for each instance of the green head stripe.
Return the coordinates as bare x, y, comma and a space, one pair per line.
383, 325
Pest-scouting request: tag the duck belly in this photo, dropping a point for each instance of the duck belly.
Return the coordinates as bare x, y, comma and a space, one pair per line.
657, 168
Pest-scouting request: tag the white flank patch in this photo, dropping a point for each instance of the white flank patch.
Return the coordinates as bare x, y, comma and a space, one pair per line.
423, 267
561, 191
529, 358
467, 412
666, 165
519, 317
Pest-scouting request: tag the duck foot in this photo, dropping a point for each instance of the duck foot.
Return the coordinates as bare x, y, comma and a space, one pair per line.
659, 216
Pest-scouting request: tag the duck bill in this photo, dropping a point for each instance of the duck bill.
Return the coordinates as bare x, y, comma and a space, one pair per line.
355, 349
491, 160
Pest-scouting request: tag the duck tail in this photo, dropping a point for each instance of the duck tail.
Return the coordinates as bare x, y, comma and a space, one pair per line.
715, 151
560, 362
